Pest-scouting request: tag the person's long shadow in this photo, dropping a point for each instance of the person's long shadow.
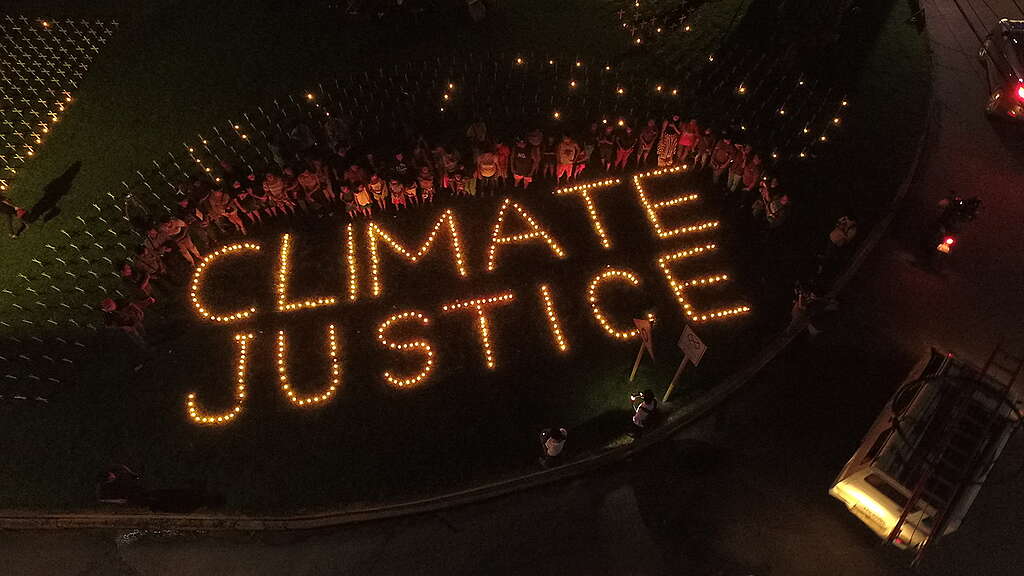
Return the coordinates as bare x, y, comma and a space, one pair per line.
46, 207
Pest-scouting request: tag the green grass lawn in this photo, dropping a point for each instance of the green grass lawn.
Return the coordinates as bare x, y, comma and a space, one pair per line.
178, 68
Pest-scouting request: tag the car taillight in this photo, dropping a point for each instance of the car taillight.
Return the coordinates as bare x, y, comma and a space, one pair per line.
1020, 92
949, 240
946, 245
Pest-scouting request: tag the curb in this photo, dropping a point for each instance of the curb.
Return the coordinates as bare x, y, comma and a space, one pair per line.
673, 424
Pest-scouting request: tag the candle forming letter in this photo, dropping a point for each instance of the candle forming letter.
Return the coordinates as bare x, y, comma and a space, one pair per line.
376, 235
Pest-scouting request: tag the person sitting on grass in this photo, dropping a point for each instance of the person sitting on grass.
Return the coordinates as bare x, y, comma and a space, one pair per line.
311, 193
13, 214
412, 193
426, 182
348, 198
273, 186
319, 167
177, 231
293, 189
136, 279
364, 200
220, 206
552, 443
126, 316
250, 198
397, 192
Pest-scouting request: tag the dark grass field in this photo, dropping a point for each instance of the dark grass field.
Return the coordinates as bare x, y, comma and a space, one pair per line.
177, 68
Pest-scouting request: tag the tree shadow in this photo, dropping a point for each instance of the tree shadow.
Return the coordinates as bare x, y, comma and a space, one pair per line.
46, 207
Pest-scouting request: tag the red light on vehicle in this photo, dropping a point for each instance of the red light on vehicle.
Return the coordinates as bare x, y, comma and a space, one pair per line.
949, 241
1020, 91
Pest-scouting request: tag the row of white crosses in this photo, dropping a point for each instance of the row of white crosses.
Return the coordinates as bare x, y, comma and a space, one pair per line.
41, 63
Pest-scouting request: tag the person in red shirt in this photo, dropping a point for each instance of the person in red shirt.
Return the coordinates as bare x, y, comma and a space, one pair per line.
503, 153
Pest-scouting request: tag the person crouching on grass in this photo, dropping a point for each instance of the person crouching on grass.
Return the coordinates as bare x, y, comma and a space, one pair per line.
552, 443
645, 409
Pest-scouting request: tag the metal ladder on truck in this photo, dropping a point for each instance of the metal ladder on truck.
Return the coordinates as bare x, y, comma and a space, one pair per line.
956, 460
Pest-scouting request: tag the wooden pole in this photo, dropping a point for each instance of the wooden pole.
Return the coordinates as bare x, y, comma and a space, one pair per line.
636, 365
675, 379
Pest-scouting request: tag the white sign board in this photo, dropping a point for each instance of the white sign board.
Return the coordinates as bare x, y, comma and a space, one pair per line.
692, 346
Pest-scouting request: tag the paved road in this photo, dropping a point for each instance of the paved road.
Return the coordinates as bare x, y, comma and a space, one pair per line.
746, 488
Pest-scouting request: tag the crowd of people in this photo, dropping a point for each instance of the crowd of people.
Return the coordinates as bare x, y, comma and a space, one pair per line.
319, 170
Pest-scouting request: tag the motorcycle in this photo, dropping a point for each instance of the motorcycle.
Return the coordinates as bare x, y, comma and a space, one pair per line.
943, 232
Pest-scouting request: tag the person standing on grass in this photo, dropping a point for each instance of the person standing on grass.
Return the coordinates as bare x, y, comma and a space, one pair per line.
648, 136
668, 141
687, 140
566, 152
548, 154
752, 172
525, 162
739, 163
606, 148
379, 191
702, 149
625, 141
13, 214
487, 169
552, 443
503, 153
721, 158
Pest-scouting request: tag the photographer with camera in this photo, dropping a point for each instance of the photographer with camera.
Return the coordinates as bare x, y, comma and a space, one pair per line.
646, 405
552, 443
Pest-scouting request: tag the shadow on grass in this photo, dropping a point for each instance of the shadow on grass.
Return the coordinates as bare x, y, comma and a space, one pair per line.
603, 429
60, 187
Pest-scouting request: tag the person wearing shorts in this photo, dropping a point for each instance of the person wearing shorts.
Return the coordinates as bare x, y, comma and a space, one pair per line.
525, 161
426, 182
364, 200
625, 141
567, 151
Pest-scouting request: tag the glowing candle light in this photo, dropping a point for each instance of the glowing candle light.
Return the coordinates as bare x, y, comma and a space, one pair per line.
679, 288
350, 257
535, 233
583, 192
651, 208
335, 368
197, 281
593, 298
554, 324
376, 234
283, 268
198, 416
481, 306
422, 347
